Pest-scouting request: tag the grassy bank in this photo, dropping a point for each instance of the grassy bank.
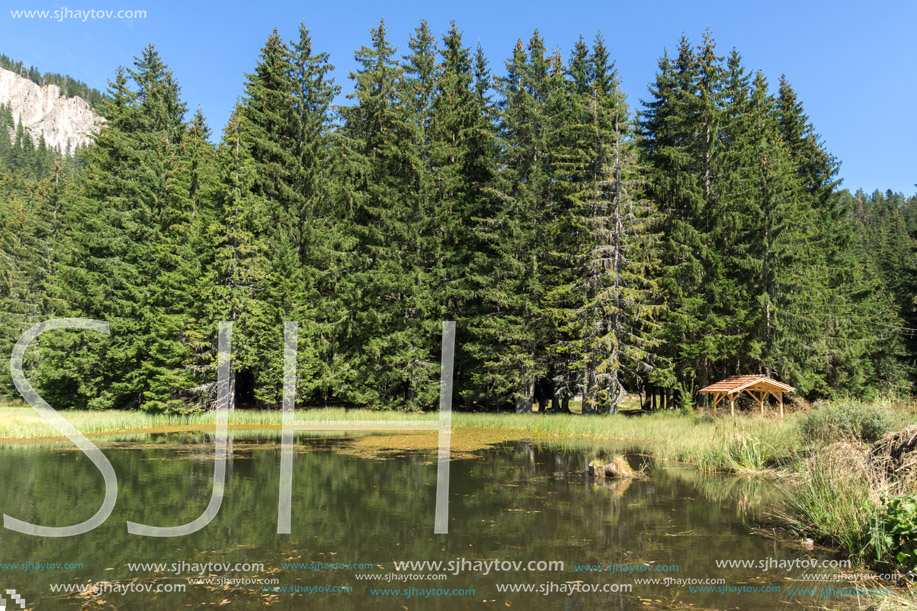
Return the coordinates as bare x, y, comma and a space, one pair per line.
840, 483
746, 444
24, 424
750, 444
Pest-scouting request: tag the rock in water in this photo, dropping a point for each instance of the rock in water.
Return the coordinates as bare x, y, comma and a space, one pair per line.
617, 468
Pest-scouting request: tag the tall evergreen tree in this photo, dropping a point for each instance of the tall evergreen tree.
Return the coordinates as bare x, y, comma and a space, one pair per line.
765, 241
318, 246
29, 234
612, 302
283, 123
514, 337
462, 166
241, 261
893, 252
852, 349
130, 259
679, 143
390, 358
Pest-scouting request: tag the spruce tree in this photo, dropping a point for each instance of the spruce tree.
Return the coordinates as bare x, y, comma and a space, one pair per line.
766, 240
679, 144
390, 360
170, 262
893, 253
241, 263
612, 302
462, 152
512, 340
855, 306
129, 258
283, 122
29, 232
318, 247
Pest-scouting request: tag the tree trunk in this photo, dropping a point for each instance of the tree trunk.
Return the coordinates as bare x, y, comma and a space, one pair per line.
231, 393
702, 381
588, 406
524, 399
613, 404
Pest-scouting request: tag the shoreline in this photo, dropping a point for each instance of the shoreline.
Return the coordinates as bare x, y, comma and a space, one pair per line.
748, 445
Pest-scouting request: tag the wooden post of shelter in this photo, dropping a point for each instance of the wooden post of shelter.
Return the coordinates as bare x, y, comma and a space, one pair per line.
757, 386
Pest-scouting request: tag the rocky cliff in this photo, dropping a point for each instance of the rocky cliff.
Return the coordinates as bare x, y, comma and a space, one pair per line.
65, 123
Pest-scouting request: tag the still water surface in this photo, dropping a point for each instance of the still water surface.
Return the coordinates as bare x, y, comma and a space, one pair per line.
515, 502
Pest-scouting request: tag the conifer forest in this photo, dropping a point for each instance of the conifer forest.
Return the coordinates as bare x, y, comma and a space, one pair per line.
588, 246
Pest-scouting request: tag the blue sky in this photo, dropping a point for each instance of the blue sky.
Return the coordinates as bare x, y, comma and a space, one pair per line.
852, 63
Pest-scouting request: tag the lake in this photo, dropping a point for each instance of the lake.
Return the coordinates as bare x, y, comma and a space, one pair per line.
522, 515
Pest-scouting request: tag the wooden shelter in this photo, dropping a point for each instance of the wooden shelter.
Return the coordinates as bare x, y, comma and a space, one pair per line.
757, 386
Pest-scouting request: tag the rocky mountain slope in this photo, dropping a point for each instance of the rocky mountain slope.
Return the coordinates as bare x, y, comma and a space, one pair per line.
65, 123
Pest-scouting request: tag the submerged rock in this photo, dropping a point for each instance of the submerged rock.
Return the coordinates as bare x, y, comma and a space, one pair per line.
617, 468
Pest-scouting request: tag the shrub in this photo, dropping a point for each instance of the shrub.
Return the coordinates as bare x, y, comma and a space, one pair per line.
896, 531
685, 397
845, 420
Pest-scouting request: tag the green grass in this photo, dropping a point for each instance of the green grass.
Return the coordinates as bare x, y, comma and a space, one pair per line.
751, 444
24, 423
836, 498
747, 443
